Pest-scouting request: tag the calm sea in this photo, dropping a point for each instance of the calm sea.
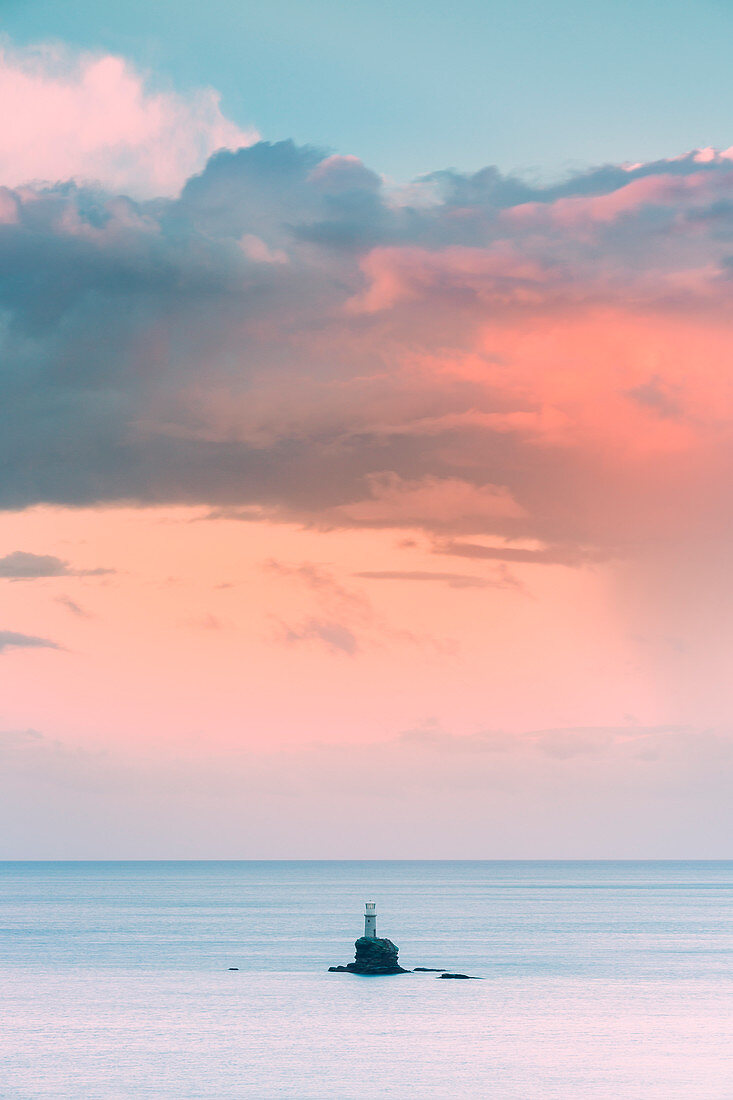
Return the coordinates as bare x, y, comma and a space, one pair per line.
604, 980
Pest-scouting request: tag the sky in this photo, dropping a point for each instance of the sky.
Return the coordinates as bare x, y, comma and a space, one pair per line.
365, 431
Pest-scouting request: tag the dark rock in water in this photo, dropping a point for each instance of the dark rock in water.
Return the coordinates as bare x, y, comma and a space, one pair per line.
234, 968
373, 956
468, 977
428, 970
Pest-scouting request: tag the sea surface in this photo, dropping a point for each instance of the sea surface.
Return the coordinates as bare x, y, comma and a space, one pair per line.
604, 980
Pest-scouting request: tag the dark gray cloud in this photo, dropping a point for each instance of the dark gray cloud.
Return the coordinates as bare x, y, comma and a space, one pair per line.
24, 566
21, 565
258, 344
11, 639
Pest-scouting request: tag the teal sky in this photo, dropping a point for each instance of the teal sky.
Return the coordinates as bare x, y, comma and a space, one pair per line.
414, 86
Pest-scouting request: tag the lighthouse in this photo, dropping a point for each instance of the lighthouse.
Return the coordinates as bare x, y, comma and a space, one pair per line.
373, 956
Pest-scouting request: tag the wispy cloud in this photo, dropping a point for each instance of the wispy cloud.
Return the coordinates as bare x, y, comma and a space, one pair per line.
73, 607
546, 555
21, 565
342, 615
205, 621
453, 580
344, 620
334, 636
317, 578
11, 639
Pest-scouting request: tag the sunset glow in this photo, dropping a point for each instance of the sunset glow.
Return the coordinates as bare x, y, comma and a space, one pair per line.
301, 463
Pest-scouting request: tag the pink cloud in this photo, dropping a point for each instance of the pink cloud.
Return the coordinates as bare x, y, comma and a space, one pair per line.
403, 274
575, 211
93, 118
258, 251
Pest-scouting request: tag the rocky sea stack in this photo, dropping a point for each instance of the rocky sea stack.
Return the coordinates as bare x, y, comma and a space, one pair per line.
373, 956
378, 956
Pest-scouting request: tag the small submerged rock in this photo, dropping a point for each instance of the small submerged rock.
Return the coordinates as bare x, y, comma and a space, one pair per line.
468, 977
233, 968
428, 970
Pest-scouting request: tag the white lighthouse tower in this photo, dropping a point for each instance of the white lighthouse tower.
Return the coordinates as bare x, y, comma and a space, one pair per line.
370, 920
